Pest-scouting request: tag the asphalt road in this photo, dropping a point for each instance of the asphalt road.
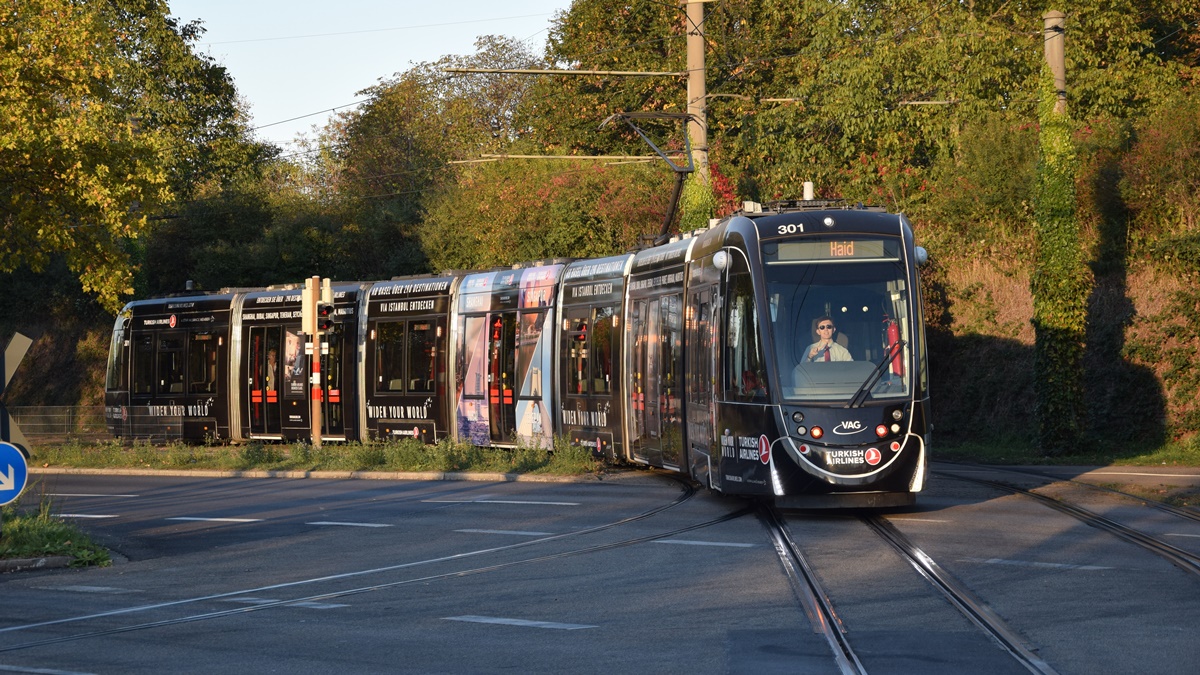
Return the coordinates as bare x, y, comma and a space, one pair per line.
629, 575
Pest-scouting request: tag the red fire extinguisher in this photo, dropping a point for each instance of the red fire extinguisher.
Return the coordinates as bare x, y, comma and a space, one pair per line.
893, 336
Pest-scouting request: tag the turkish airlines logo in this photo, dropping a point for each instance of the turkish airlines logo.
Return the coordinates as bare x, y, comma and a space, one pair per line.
848, 428
764, 449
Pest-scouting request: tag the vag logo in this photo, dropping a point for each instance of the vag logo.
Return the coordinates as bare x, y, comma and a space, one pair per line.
847, 428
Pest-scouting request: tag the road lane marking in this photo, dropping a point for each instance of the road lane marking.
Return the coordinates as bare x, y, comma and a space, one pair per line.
1030, 563
83, 515
83, 494
88, 589
1180, 534
496, 501
519, 622
219, 520
520, 532
916, 520
693, 542
343, 524
40, 671
308, 604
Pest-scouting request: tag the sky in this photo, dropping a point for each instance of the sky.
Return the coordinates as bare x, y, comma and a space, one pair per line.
293, 58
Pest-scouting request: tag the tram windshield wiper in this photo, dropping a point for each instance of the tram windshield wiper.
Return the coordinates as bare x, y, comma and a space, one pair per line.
860, 396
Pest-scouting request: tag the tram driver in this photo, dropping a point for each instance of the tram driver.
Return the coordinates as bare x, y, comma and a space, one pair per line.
826, 348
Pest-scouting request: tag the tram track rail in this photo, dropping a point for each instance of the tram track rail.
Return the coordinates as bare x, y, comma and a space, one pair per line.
959, 596
1188, 562
811, 593
1187, 514
818, 604
688, 491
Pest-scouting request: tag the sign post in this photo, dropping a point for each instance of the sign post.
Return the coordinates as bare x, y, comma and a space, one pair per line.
18, 345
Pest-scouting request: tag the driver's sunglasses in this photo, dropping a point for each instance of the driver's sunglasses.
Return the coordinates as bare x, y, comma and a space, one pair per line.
825, 327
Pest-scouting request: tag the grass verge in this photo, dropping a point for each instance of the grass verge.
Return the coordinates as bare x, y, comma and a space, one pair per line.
400, 455
37, 533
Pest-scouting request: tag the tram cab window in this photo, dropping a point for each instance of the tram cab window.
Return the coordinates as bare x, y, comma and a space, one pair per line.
115, 378
745, 368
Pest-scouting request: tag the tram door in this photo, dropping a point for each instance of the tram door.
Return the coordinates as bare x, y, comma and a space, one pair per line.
333, 421
502, 353
263, 379
701, 375
645, 388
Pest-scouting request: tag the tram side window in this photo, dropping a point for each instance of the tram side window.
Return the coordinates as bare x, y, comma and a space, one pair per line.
577, 351
602, 350
202, 363
143, 364
745, 368
672, 353
422, 352
389, 356
170, 364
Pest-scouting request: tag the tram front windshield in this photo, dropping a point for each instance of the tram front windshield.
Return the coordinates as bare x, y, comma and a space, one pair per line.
839, 315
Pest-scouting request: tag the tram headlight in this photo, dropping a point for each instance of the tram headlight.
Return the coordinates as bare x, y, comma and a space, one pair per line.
800, 431
816, 432
881, 431
797, 417
895, 428
897, 414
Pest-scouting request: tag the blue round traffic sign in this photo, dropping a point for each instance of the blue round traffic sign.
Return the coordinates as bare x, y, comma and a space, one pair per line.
14, 472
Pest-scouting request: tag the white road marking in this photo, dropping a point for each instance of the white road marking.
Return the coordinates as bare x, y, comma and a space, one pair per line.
82, 494
519, 622
1030, 563
39, 671
264, 601
88, 589
219, 520
520, 532
83, 515
334, 522
1180, 534
691, 542
317, 605
917, 520
495, 501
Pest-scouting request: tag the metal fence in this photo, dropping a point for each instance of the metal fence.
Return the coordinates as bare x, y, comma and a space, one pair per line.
54, 424
60, 422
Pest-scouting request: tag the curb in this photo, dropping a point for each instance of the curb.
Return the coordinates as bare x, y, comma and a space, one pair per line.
333, 475
24, 564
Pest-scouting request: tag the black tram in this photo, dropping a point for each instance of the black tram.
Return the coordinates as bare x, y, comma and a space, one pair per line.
778, 354
406, 359
272, 399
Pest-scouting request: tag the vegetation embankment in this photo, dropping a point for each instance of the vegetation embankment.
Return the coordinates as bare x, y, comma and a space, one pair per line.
38, 533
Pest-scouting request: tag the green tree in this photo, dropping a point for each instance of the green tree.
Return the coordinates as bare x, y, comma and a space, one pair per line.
505, 212
107, 113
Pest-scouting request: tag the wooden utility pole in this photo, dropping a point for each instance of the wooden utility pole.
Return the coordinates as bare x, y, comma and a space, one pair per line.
1054, 41
697, 92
